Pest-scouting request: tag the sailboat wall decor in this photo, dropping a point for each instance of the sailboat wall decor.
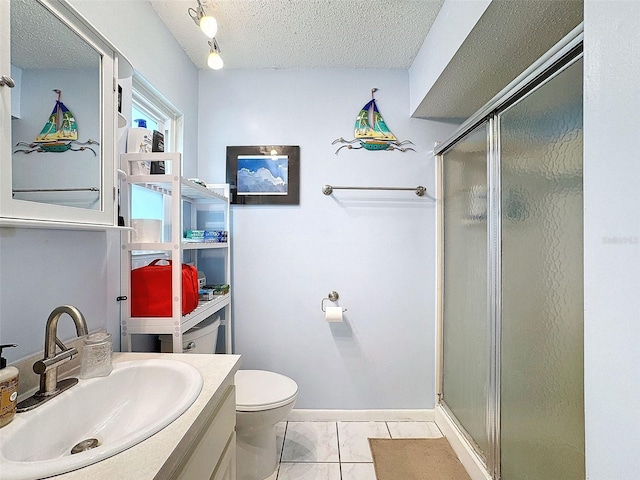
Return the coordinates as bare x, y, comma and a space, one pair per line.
59, 134
371, 131
60, 126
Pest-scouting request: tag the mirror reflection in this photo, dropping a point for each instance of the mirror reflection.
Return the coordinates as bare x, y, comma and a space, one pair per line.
55, 111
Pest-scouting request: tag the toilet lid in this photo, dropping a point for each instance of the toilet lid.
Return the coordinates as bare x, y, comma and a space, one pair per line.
261, 390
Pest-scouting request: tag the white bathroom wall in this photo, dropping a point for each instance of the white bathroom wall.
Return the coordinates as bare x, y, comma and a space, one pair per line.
42, 269
136, 30
612, 239
376, 249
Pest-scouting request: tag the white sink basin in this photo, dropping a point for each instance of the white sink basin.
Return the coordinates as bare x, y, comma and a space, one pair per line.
138, 399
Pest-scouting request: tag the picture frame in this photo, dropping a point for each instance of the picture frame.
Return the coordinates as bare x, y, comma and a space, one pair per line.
264, 174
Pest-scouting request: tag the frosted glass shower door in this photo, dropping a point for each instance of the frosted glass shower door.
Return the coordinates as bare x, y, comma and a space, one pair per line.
541, 368
465, 331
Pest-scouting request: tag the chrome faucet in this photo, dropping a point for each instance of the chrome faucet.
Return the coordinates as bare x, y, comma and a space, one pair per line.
47, 368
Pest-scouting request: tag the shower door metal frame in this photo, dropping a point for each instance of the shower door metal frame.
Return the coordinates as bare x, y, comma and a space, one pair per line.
494, 269
562, 55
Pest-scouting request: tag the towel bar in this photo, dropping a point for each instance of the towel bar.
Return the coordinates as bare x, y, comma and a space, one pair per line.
419, 190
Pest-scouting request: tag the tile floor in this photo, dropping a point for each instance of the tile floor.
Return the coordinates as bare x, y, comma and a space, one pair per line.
337, 450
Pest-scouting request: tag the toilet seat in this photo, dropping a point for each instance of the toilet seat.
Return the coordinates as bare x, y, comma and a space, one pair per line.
258, 390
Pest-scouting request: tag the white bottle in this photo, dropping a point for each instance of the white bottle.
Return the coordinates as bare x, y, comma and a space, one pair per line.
8, 389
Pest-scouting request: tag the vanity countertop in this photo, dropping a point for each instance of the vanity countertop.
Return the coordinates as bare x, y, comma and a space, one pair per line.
145, 460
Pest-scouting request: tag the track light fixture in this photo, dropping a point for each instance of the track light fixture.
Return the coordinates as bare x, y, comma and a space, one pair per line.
209, 26
214, 60
207, 23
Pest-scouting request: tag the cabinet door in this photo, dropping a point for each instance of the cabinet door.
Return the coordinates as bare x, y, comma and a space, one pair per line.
5, 91
227, 466
215, 441
57, 164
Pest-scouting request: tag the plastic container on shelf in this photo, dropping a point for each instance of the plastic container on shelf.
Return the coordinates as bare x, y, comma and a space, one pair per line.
139, 167
202, 338
146, 230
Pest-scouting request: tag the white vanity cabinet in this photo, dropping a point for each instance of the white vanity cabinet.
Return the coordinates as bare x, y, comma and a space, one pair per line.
213, 455
208, 450
199, 445
188, 206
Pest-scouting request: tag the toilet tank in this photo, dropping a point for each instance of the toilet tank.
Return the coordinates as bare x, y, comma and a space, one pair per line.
202, 338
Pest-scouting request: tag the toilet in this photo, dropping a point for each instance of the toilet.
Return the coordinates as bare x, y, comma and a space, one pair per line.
262, 400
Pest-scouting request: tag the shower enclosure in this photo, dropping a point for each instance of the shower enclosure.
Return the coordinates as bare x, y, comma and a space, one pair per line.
511, 277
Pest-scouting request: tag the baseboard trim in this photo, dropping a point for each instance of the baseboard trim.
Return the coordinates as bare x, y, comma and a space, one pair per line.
312, 415
467, 455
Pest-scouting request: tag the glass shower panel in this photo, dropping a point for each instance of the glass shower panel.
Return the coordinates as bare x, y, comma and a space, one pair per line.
541, 394
465, 315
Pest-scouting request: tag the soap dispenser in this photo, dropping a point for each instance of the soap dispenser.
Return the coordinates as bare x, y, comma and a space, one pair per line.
8, 389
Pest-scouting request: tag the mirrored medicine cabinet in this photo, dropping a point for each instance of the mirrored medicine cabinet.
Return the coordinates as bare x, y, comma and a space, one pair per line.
58, 115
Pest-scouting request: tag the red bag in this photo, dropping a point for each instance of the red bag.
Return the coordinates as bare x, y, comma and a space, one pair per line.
151, 290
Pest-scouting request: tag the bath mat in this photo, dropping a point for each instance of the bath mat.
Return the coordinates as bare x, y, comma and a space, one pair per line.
415, 459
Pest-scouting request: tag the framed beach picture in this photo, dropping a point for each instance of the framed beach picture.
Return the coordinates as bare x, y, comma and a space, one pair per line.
264, 175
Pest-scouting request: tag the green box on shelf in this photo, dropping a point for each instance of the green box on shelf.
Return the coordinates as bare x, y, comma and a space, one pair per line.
219, 289
194, 234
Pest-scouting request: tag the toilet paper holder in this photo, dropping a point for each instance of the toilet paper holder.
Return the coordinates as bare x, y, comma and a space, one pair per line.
333, 296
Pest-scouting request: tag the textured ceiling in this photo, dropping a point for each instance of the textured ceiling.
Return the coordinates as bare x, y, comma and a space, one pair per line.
278, 34
39, 40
